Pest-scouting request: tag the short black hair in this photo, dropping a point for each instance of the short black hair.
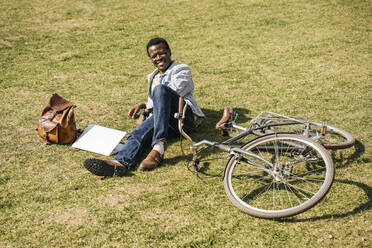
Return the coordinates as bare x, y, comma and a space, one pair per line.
156, 41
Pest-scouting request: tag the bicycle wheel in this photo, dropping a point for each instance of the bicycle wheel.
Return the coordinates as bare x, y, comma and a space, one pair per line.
285, 175
334, 138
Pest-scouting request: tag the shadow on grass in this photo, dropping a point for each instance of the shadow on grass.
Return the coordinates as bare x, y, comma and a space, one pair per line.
342, 162
361, 208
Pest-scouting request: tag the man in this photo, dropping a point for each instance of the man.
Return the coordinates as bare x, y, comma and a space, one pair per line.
156, 124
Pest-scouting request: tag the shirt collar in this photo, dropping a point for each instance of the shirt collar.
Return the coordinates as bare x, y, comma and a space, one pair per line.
173, 64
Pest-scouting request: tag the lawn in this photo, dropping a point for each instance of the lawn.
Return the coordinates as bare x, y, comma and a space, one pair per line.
310, 59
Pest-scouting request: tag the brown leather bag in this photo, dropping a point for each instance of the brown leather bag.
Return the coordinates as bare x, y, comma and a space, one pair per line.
57, 121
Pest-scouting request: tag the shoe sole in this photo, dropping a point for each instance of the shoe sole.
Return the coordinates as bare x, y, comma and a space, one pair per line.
100, 168
145, 169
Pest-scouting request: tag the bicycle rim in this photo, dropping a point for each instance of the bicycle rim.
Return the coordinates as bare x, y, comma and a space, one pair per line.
334, 138
295, 174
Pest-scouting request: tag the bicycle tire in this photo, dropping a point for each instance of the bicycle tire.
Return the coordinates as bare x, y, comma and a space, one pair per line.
334, 138
302, 174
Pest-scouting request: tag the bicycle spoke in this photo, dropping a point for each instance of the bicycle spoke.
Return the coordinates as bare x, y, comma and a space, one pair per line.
266, 188
297, 198
277, 194
276, 152
242, 180
289, 197
299, 189
307, 173
250, 182
311, 182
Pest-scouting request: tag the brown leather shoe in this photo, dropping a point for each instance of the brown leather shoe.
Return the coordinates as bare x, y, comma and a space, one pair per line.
151, 161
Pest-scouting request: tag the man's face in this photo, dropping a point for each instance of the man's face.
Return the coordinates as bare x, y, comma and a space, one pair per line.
160, 57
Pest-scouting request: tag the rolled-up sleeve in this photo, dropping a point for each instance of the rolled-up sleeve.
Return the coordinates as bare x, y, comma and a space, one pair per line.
149, 103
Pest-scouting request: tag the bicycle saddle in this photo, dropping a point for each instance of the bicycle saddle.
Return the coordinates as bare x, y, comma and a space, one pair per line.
222, 124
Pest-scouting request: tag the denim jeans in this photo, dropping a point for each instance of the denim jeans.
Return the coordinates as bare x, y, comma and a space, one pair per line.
159, 127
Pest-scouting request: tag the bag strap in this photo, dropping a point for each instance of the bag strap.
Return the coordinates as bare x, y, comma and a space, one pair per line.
57, 135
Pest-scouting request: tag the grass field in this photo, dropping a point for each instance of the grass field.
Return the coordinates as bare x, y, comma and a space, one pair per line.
310, 59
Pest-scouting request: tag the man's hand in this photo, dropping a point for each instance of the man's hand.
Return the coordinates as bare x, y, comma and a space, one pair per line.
141, 119
134, 112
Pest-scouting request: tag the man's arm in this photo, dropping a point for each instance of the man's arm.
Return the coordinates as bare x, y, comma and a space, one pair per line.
133, 113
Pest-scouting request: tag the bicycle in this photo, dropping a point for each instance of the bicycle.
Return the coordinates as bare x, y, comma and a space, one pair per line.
275, 175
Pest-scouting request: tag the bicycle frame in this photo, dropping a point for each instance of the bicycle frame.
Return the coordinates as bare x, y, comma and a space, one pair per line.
224, 146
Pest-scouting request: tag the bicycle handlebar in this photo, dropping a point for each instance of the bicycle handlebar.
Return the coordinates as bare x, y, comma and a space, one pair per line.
181, 117
180, 107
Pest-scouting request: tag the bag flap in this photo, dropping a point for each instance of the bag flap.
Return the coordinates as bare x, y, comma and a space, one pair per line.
58, 103
47, 125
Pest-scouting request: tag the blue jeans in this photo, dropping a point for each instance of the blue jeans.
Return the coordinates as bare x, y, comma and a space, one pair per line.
159, 127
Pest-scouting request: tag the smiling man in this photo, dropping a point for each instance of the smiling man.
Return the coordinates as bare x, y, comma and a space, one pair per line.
156, 124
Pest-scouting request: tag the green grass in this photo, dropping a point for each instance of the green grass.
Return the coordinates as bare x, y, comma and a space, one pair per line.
310, 59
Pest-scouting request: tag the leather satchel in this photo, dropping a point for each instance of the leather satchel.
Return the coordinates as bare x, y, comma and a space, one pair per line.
57, 121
